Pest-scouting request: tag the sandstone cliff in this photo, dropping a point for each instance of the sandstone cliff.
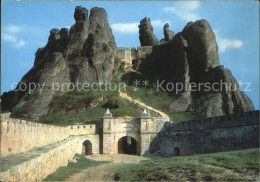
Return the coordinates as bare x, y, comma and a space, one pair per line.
83, 54
86, 52
192, 57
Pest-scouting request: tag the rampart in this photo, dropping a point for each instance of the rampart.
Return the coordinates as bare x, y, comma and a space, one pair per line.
38, 163
19, 135
129, 55
222, 133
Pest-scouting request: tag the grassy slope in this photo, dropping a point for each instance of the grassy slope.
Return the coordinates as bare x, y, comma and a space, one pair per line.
159, 100
68, 108
78, 100
223, 166
64, 172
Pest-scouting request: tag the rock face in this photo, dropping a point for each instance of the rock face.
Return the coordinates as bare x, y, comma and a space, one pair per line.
168, 34
86, 52
146, 36
83, 54
191, 58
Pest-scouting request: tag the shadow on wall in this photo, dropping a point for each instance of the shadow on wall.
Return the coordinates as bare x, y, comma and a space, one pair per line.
216, 134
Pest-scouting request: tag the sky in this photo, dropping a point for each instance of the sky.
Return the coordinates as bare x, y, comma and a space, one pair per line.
26, 25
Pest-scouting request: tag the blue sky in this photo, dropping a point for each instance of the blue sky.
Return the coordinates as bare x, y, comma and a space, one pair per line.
26, 24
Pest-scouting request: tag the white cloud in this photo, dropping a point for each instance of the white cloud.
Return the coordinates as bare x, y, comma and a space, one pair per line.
184, 10
159, 23
224, 43
12, 29
125, 27
133, 27
21, 43
8, 37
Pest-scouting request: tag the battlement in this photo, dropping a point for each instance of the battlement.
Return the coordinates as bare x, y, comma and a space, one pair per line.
240, 119
130, 55
18, 135
5, 115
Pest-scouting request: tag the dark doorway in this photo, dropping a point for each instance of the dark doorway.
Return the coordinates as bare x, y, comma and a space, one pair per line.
127, 145
87, 148
177, 151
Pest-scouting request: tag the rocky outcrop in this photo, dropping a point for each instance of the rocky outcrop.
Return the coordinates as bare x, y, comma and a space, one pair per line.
83, 54
146, 36
168, 34
202, 50
191, 58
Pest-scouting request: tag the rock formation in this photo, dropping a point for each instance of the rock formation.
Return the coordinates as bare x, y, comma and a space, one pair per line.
192, 57
83, 54
86, 53
168, 34
146, 36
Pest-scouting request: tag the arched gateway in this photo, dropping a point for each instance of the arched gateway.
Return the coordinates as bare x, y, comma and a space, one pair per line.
87, 148
127, 145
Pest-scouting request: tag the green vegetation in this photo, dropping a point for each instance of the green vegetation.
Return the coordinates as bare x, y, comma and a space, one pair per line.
64, 172
159, 100
185, 116
222, 166
150, 96
78, 107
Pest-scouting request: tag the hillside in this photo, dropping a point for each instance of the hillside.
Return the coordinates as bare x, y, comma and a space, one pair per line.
87, 54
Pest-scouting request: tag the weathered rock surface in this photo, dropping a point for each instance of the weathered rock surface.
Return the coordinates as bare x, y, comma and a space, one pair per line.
202, 51
83, 54
168, 34
87, 51
191, 57
146, 36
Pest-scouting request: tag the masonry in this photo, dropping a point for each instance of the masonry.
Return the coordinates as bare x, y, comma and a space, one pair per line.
31, 151
216, 134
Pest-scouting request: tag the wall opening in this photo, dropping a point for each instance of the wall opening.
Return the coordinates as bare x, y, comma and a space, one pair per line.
177, 151
127, 145
87, 148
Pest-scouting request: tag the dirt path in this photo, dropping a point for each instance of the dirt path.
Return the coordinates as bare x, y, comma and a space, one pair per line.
105, 172
141, 104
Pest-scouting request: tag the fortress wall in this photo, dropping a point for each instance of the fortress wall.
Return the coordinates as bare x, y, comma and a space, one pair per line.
150, 127
127, 55
39, 167
19, 135
223, 133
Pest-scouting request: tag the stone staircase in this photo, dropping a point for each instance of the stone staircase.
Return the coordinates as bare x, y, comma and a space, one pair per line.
143, 105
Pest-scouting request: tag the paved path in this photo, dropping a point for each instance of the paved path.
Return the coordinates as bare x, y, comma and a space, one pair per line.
105, 172
141, 104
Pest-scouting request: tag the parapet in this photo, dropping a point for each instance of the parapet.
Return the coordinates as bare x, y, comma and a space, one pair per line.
5, 115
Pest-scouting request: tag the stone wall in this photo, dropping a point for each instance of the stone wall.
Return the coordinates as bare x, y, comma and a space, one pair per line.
19, 135
143, 130
223, 133
129, 55
37, 164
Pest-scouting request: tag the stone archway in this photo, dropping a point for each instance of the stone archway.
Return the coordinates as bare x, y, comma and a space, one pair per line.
177, 151
127, 145
87, 147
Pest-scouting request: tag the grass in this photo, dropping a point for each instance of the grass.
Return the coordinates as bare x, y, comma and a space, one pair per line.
223, 166
159, 100
79, 107
64, 172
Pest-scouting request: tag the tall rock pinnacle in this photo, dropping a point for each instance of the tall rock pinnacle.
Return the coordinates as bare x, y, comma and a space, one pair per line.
83, 54
146, 36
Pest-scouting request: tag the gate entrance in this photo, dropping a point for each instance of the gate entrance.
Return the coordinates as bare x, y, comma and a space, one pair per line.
87, 148
127, 145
